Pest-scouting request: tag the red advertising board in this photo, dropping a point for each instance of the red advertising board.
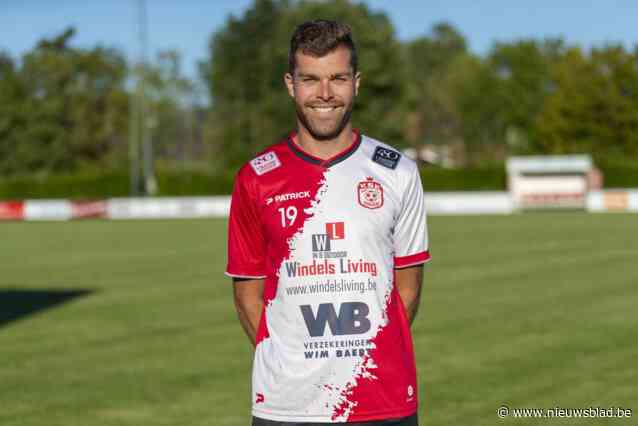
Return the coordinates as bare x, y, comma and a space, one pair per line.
11, 210
88, 209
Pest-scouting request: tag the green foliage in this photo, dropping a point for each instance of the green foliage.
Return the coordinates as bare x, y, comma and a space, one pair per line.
467, 179
62, 108
244, 76
78, 186
195, 183
619, 173
435, 66
503, 97
594, 106
522, 72
113, 184
171, 106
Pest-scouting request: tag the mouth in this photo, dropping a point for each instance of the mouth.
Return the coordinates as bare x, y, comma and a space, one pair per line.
324, 108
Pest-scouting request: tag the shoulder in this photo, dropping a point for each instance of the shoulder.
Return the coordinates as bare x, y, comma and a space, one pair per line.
387, 156
264, 162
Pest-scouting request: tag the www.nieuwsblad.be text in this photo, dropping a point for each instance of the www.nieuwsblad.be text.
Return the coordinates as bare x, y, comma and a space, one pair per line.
505, 411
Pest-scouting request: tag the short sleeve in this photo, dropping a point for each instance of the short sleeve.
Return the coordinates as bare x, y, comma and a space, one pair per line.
246, 246
410, 232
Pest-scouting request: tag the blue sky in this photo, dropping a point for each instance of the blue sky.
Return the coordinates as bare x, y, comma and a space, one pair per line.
186, 25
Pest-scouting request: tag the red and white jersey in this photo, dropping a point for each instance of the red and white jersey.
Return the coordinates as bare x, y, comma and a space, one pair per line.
334, 343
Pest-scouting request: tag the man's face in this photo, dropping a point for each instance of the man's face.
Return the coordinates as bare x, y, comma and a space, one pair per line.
323, 89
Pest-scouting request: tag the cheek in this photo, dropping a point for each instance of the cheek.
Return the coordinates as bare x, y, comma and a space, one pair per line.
302, 94
346, 92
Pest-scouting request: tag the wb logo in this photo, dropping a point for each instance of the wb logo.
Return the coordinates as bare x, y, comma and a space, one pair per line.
352, 319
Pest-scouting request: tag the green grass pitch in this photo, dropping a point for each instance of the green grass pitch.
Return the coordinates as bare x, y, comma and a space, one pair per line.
535, 310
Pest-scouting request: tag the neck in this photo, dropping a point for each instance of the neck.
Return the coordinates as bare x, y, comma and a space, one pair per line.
324, 149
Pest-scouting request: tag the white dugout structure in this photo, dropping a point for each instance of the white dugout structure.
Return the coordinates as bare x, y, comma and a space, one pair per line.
544, 182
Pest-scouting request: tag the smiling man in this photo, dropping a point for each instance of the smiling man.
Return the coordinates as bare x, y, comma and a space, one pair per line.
326, 246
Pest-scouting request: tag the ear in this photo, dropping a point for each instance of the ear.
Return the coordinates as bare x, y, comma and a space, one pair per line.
290, 84
357, 80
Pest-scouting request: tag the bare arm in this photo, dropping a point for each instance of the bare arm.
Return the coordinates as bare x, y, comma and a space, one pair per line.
249, 304
408, 283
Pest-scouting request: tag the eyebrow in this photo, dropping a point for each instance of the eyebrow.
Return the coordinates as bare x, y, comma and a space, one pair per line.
339, 74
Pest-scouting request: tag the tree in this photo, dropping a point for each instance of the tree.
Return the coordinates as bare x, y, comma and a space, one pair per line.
70, 107
172, 105
594, 104
435, 65
244, 78
12, 115
522, 80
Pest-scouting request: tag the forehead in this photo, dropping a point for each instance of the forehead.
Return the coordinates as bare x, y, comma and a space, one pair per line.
336, 61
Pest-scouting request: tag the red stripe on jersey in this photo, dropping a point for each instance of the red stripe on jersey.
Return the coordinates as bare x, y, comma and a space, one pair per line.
262, 329
412, 260
387, 389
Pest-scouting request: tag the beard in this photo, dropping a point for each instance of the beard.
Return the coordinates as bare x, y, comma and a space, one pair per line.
323, 130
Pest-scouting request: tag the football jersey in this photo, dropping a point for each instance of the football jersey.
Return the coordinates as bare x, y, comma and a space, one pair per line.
333, 343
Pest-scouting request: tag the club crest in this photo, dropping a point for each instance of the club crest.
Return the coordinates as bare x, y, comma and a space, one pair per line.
370, 193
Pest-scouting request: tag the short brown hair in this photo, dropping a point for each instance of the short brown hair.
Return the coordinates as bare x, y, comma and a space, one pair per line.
320, 37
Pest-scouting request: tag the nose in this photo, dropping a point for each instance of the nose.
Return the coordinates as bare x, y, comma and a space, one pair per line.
325, 90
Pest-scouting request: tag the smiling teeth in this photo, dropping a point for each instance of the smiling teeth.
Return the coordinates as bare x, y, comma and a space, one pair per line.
324, 109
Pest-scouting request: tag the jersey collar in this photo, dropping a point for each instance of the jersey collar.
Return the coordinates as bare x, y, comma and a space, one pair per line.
335, 159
